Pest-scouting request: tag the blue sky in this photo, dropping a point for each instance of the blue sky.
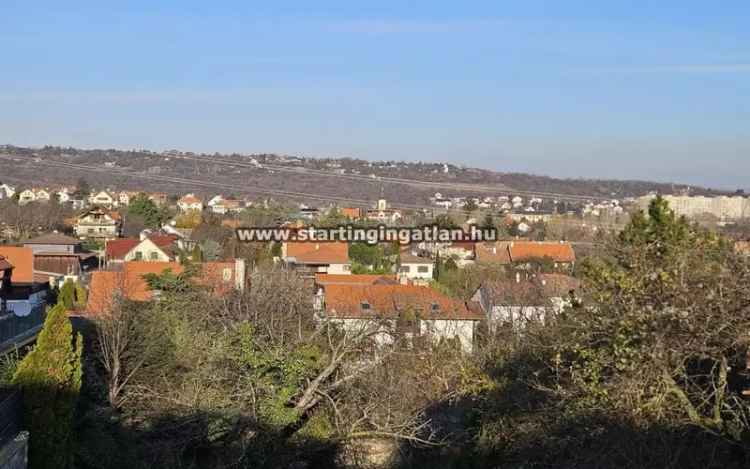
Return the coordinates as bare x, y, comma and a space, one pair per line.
648, 90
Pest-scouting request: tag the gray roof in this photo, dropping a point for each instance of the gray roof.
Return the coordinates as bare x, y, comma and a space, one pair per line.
53, 238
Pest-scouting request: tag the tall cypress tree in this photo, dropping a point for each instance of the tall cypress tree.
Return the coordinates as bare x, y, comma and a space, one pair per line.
50, 379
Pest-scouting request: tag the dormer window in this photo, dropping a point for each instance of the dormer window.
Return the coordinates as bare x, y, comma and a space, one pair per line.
435, 307
365, 306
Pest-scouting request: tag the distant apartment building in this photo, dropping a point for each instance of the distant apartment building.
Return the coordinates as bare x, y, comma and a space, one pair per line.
722, 207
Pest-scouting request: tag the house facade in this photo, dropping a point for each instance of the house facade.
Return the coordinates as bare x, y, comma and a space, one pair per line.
312, 258
99, 224
398, 312
190, 202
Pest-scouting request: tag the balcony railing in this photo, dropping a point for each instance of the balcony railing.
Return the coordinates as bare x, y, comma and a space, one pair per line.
21, 327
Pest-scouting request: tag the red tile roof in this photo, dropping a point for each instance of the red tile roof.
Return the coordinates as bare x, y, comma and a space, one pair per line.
23, 262
390, 301
318, 253
190, 199
507, 252
130, 282
356, 279
118, 248
496, 253
522, 251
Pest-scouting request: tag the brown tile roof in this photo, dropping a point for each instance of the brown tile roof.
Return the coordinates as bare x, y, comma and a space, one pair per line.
536, 291
508, 252
23, 262
390, 301
522, 251
190, 199
318, 253
53, 238
130, 282
496, 253
354, 279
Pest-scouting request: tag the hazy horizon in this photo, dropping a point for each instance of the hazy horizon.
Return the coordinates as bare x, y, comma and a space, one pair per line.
618, 91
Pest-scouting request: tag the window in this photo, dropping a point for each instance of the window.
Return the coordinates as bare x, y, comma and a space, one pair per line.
138, 255
227, 274
153, 255
365, 305
435, 307
347, 267
405, 269
423, 269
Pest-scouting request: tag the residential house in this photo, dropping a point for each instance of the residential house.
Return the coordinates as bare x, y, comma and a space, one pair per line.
6, 191
190, 202
63, 195
98, 223
152, 248
6, 270
310, 258
324, 280
524, 253
225, 206
102, 199
57, 255
159, 198
415, 265
26, 196
531, 216
352, 213
129, 282
22, 259
125, 197
22, 308
213, 201
516, 301
42, 195
462, 252
383, 214
407, 312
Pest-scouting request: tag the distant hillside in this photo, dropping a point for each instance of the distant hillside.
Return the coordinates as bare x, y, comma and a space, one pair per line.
258, 174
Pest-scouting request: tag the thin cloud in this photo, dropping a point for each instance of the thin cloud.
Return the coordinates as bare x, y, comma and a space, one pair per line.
393, 26
678, 68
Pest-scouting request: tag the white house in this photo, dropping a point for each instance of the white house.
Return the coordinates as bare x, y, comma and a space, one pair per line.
190, 202
6, 191
153, 248
102, 199
514, 302
98, 223
414, 267
26, 196
398, 313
